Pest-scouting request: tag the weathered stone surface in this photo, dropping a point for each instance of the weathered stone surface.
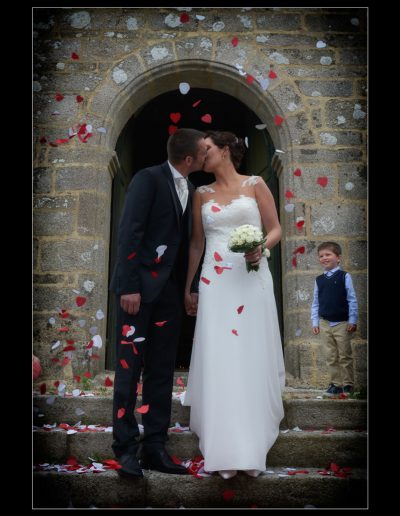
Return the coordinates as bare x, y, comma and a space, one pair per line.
346, 114
59, 202
42, 179
340, 138
353, 57
229, 21
72, 254
326, 71
198, 47
338, 219
299, 56
357, 254
93, 215
326, 88
353, 181
332, 22
83, 178
53, 223
280, 21
325, 155
300, 131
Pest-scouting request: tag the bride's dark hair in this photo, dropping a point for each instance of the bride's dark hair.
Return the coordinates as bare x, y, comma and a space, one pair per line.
235, 144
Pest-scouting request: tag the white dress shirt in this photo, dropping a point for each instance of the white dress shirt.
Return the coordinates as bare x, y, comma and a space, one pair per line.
181, 186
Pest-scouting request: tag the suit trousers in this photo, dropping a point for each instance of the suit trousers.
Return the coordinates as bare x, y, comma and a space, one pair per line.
339, 354
156, 355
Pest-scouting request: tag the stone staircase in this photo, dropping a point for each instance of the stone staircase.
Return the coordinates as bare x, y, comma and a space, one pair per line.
332, 431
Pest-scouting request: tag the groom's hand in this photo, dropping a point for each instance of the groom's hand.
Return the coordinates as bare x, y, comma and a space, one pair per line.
191, 301
254, 257
130, 303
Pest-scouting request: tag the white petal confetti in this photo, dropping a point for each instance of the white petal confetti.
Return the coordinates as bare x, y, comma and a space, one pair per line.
200, 17
184, 87
99, 314
320, 44
88, 285
93, 330
260, 127
101, 130
55, 345
289, 207
76, 291
349, 186
76, 392
50, 400
82, 323
52, 321
297, 429
97, 341
246, 142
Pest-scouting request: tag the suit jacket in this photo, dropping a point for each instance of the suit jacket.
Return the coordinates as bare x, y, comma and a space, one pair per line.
152, 216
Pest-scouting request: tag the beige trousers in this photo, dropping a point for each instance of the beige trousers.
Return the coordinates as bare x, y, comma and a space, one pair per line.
339, 359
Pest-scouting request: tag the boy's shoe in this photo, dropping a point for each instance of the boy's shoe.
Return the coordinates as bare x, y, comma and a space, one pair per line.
333, 389
348, 389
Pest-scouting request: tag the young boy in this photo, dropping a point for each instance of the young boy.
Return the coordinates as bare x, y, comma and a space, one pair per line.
334, 314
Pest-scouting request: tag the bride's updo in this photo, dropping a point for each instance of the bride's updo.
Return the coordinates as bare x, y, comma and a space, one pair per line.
235, 144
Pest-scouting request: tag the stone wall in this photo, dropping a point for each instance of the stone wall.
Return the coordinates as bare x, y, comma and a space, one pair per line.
116, 60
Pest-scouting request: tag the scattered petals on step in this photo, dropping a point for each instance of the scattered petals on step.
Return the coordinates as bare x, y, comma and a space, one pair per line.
178, 429
304, 471
195, 467
297, 429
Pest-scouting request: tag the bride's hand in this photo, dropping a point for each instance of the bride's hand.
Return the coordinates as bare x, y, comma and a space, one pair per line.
191, 300
254, 257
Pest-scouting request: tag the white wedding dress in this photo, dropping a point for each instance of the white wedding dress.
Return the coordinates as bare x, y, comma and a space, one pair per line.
237, 373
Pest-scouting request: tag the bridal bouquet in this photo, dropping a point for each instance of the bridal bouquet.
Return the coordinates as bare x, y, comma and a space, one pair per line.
246, 238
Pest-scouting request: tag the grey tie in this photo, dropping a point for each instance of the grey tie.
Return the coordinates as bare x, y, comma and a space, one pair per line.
182, 190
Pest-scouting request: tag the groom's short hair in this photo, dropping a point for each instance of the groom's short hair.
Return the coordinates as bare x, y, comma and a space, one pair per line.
184, 142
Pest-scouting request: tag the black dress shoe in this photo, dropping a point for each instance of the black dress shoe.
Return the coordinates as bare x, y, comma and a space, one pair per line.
130, 466
159, 460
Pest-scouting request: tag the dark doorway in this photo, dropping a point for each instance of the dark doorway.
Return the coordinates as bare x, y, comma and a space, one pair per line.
143, 143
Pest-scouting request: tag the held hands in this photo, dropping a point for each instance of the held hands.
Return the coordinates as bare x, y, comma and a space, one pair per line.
315, 330
130, 303
191, 302
351, 328
254, 257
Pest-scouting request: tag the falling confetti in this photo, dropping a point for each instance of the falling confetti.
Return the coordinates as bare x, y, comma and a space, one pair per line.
249, 79
184, 17
297, 172
121, 413
79, 99
175, 117
132, 255
74, 56
234, 42
272, 74
184, 88
143, 409
289, 194
322, 181
196, 103
217, 257
205, 280
172, 129
278, 120
260, 127
240, 309
160, 324
207, 119
215, 209
80, 300
235, 333
289, 207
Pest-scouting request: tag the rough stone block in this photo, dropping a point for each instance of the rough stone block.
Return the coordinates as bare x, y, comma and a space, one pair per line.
158, 53
346, 114
53, 223
338, 219
320, 72
300, 131
57, 202
42, 179
279, 21
83, 178
44, 105
325, 155
356, 56
93, 215
352, 181
198, 48
289, 219
299, 57
306, 186
357, 254
326, 88
306, 362
230, 20
287, 98
71, 255
298, 291
340, 138
332, 22
305, 261
360, 356
110, 49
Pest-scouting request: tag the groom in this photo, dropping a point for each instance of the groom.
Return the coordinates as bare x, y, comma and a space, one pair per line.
148, 281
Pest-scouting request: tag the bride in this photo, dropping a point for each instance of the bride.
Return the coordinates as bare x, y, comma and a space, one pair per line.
236, 372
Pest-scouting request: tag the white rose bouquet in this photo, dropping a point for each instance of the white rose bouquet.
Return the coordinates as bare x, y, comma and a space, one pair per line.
246, 238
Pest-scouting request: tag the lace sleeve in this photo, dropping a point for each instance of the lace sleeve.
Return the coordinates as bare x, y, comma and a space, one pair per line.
251, 181
204, 189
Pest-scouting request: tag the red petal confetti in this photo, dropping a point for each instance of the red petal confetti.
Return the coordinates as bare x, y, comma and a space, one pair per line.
272, 74
240, 309
87, 374
207, 119
175, 117
205, 280
108, 382
65, 361
217, 257
300, 224
42, 388
172, 129
278, 120
218, 269
154, 274
323, 181
97, 357
111, 464
143, 409
175, 459
196, 103
300, 250
42, 140
59, 97
126, 329
215, 209
135, 351
249, 79
132, 255
124, 363
77, 378
64, 328
79, 99
235, 333
71, 461
294, 261
74, 56
69, 348
160, 323
55, 360
289, 194
234, 42
228, 495
64, 314
120, 413
184, 17
298, 471
56, 383
80, 300
179, 382
90, 345
297, 172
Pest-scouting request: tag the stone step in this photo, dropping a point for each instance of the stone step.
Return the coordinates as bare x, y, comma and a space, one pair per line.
303, 411
291, 449
155, 490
